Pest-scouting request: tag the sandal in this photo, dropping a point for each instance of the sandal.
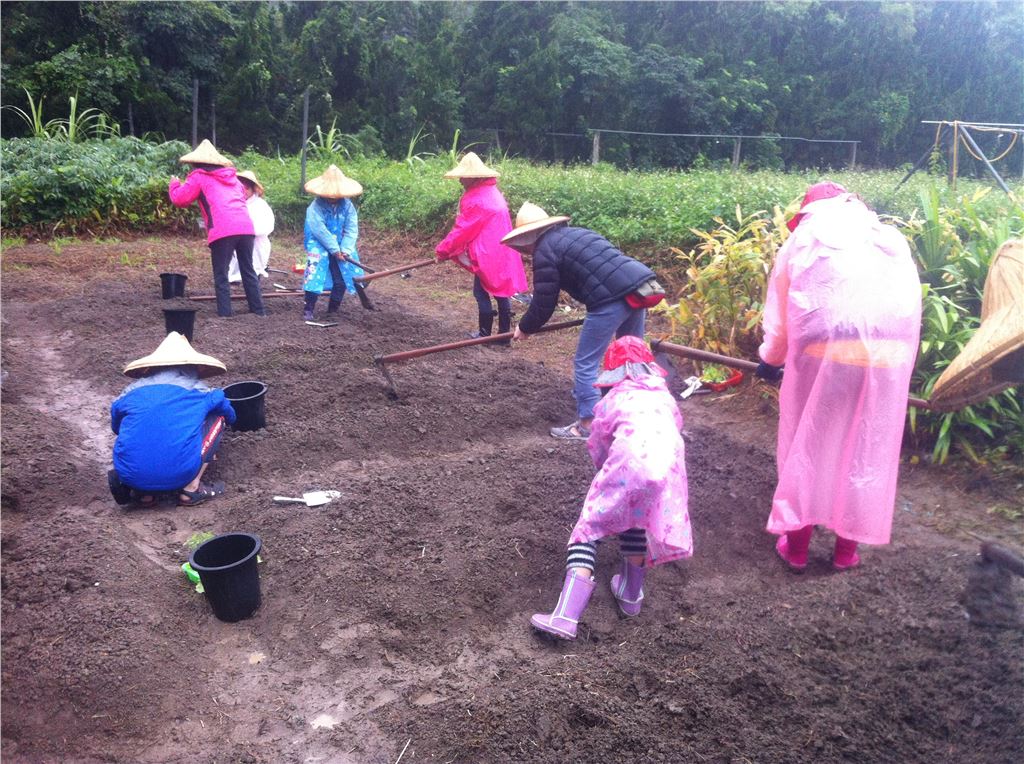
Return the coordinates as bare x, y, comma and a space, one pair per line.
205, 493
574, 431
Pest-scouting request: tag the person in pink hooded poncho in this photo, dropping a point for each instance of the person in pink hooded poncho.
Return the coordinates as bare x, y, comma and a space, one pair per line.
639, 492
474, 243
843, 314
214, 185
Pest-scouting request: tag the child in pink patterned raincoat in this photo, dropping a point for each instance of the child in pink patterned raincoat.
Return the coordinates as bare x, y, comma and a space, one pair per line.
474, 243
639, 492
843, 313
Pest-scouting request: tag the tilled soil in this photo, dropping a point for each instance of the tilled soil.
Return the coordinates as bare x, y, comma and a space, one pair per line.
394, 623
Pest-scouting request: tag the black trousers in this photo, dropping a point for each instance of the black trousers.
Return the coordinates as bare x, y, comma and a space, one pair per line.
221, 251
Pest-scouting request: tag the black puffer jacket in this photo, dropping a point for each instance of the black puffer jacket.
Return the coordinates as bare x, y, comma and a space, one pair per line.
584, 264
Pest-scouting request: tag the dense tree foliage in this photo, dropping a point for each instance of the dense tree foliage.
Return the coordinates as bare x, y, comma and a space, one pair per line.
862, 71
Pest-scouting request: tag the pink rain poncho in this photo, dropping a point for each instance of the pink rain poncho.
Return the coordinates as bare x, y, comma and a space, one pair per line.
475, 241
843, 313
638, 450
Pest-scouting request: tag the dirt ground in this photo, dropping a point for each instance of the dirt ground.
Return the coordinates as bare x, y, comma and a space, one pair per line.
394, 624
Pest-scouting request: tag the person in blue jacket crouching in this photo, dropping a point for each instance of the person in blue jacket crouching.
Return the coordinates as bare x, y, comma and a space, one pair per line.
169, 425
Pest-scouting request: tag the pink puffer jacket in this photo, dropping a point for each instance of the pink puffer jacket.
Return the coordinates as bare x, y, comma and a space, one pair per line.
221, 200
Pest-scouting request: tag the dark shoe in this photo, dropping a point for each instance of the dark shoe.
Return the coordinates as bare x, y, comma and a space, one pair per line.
307, 315
333, 305
122, 494
204, 494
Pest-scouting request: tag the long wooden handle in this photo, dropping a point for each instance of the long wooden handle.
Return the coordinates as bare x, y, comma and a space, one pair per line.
736, 363
504, 336
392, 271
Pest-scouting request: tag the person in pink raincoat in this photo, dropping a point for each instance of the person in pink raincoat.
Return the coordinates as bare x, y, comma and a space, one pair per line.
213, 184
474, 243
843, 315
639, 492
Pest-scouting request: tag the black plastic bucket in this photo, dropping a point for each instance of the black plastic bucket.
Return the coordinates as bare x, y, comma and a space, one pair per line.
248, 401
227, 566
181, 320
172, 285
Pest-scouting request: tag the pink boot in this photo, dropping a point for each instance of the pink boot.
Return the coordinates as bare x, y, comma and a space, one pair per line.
845, 555
572, 601
792, 547
627, 587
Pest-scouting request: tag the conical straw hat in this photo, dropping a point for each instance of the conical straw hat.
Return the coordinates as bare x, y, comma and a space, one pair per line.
333, 185
531, 219
175, 350
205, 153
250, 176
987, 363
471, 166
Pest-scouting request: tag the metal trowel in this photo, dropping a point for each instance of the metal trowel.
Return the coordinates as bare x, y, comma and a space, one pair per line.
310, 499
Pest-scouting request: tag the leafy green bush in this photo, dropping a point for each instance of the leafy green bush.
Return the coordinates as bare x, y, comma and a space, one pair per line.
89, 185
953, 246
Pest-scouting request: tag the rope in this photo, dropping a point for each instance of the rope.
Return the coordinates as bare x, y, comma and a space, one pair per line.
970, 151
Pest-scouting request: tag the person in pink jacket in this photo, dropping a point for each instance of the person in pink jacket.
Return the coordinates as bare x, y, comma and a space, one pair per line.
639, 491
843, 315
474, 243
214, 185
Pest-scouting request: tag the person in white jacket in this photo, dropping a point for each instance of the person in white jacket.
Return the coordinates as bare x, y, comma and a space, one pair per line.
262, 222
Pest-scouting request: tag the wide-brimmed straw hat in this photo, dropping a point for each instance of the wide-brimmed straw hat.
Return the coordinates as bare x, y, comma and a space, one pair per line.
993, 359
250, 176
175, 350
205, 153
628, 357
824, 190
471, 166
333, 184
531, 219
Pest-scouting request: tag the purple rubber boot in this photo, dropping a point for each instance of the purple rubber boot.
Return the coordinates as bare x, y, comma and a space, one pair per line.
627, 586
572, 601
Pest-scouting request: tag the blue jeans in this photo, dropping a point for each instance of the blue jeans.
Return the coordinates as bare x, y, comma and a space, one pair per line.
617, 319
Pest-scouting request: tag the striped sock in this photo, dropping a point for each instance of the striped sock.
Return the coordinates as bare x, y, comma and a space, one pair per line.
633, 543
582, 556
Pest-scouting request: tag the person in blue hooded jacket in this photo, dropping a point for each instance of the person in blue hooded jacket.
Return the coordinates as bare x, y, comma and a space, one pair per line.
331, 230
169, 425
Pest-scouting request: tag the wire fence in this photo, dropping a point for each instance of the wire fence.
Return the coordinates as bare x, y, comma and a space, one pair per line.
652, 149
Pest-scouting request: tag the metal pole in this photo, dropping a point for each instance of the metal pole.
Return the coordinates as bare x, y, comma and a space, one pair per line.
305, 138
853, 156
195, 112
736, 145
988, 164
131, 121
595, 151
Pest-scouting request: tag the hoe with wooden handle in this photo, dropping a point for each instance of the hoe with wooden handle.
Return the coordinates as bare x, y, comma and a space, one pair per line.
735, 363
392, 271
381, 361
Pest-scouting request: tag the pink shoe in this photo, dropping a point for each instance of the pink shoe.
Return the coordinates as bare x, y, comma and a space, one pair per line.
572, 602
845, 555
627, 587
795, 562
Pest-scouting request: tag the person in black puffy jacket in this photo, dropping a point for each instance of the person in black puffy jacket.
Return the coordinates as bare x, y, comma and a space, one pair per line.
593, 272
